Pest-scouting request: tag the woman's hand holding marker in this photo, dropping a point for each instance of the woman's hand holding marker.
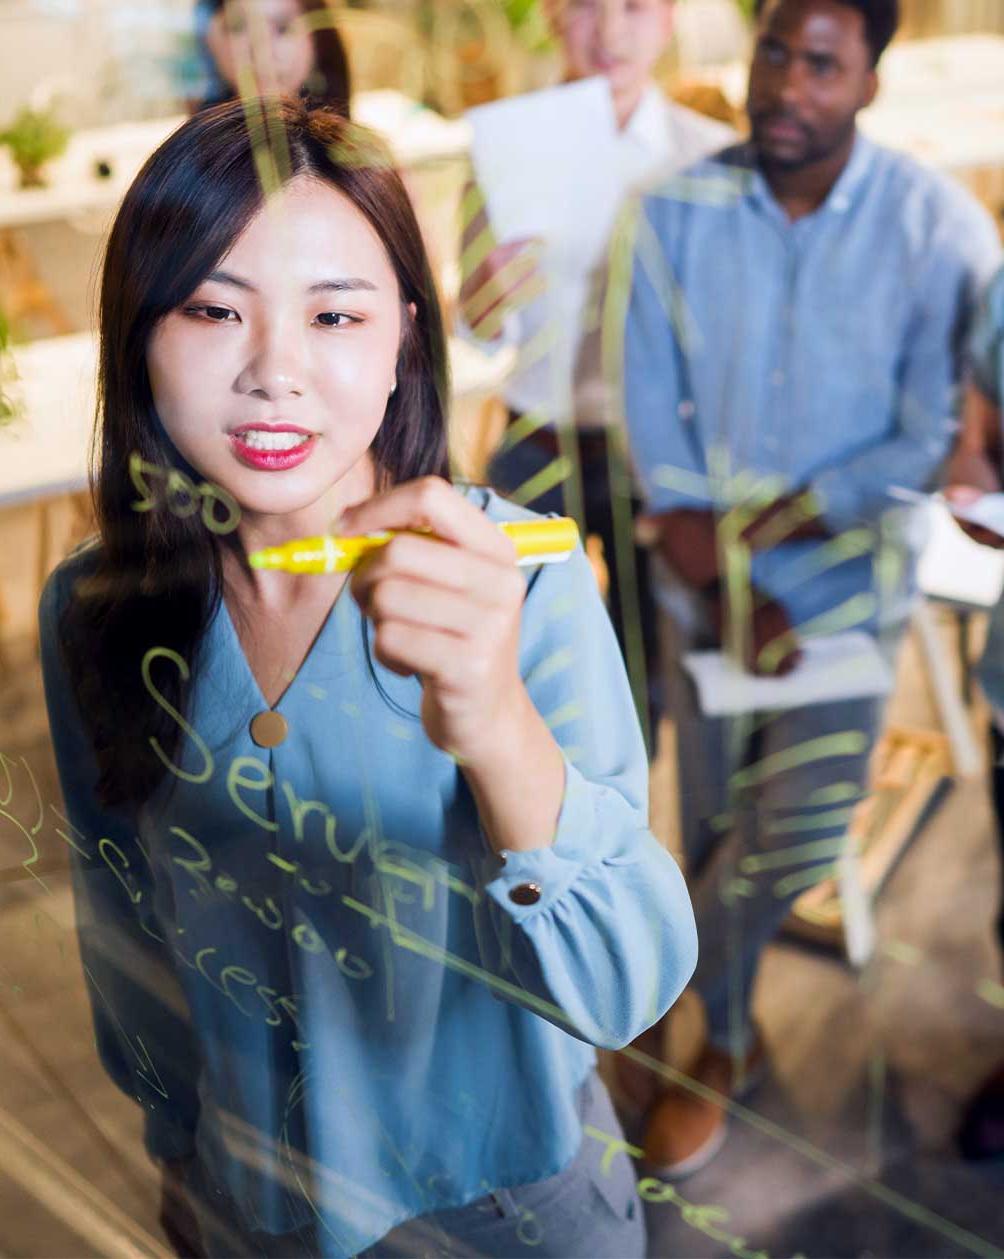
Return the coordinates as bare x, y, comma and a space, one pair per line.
447, 608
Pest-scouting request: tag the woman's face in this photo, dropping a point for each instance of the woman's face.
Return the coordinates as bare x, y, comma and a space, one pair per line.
268, 37
273, 377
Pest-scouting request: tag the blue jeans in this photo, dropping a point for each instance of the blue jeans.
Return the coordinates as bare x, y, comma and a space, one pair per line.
759, 825
583, 1212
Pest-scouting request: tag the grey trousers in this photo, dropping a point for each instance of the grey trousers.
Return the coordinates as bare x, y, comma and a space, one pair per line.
765, 801
586, 1211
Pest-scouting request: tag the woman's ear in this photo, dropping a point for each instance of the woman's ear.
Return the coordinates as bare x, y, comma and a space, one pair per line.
412, 309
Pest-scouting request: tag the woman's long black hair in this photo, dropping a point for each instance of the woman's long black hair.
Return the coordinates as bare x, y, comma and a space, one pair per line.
156, 578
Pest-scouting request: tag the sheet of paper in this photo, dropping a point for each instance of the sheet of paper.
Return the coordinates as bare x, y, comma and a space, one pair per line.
955, 568
952, 566
987, 511
835, 667
547, 163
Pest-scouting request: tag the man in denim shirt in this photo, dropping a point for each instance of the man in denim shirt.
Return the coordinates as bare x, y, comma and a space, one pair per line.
796, 313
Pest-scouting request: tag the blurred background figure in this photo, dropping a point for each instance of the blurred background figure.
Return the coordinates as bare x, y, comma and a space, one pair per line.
771, 404
977, 468
622, 40
290, 47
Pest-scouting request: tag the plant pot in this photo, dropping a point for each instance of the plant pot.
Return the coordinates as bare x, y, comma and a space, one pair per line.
31, 177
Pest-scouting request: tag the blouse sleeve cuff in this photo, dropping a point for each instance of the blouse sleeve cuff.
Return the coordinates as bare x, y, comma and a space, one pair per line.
528, 883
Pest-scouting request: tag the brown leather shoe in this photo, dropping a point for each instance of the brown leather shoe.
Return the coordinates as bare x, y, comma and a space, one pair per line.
684, 1130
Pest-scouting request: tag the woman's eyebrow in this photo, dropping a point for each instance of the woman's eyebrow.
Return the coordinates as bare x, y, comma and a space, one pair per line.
347, 285
224, 277
342, 286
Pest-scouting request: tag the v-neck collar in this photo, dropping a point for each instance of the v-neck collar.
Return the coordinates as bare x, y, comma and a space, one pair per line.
302, 675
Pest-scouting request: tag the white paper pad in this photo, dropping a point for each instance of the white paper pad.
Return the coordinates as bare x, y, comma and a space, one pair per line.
952, 566
834, 667
987, 511
955, 568
547, 163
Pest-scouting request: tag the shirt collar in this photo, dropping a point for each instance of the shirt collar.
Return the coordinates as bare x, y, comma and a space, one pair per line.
647, 127
841, 196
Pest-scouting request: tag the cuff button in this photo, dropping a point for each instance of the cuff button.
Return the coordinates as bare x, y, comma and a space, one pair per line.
525, 894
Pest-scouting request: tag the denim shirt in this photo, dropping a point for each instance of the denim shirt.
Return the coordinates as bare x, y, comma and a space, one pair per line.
822, 353
307, 963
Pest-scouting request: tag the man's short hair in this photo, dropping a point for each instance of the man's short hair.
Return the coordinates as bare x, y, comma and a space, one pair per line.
881, 18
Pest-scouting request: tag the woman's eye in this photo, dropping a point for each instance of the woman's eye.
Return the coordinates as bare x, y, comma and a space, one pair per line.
216, 314
334, 319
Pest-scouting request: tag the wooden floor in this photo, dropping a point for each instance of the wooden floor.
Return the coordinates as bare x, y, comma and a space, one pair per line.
845, 1150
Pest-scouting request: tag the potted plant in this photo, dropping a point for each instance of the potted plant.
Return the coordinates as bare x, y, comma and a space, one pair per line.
34, 138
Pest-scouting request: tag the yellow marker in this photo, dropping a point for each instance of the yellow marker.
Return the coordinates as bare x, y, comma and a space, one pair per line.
545, 541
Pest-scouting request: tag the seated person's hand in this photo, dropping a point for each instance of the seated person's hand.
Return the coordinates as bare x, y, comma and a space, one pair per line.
445, 608
770, 644
969, 476
497, 278
507, 279
790, 518
688, 543
966, 496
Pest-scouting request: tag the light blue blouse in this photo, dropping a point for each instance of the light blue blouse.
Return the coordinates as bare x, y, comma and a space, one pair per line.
306, 962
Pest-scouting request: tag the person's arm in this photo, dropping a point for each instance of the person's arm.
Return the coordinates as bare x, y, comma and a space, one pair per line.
585, 919
141, 1024
977, 457
610, 942
956, 264
663, 428
496, 280
975, 466
666, 446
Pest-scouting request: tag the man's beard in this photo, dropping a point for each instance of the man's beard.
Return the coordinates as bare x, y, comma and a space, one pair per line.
816, 147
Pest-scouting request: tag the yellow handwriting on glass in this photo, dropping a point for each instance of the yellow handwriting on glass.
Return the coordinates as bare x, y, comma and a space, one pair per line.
181, 496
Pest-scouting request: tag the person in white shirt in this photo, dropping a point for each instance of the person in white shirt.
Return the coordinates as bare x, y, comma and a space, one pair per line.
559, 452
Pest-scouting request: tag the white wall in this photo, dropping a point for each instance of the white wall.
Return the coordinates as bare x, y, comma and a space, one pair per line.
107, 59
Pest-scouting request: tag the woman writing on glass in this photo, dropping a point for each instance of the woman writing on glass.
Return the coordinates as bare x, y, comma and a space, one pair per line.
362, 867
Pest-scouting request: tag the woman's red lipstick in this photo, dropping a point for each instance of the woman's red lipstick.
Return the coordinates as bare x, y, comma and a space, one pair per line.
257, 452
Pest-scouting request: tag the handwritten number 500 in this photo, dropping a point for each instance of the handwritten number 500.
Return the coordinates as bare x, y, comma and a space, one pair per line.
182, 496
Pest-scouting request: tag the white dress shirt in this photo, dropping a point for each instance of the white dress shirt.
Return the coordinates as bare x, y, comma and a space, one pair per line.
558, 371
